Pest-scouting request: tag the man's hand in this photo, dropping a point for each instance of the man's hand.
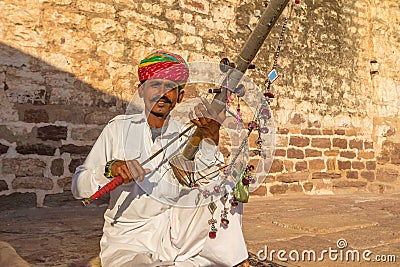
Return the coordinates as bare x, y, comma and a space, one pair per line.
208, 120
129, 170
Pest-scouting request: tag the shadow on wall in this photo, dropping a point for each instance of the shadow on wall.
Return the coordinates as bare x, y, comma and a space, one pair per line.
49, 120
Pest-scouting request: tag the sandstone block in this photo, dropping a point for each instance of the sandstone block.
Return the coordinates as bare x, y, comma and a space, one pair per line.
278, 189
57, 167
349, 183
358, 165
331, 153
85, 134
52, 132
344, 165
321, 142
370, 165
295, 188
352, 174
32, 182
383, 159
368, 145
200, 6
355, 143
73, 149
283, 131
173, 14
316, 164
269, 179
188, 29
74, 114
313, 153
3, 185
351, 132
292, 177
340, 132
301, 165
65, 183
381, 188
35, 115
3, 149
111, 48
326, 175
163, 38
327, 132
100, 117
288, 165
339, 142
10, 135
321, 186
194, 41
277, 166
39, 149
96, 7
281, 141
330, 164
387, 175
293, 153
260, 191
75, 162
348, 154
308, 186
368, 175
299, 141
280, 152
23, 166
297, 119
366, 154
311, 131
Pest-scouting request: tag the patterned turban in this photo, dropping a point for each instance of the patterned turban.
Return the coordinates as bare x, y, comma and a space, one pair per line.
164, 65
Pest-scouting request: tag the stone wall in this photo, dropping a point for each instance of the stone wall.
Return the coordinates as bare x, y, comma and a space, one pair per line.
68, 66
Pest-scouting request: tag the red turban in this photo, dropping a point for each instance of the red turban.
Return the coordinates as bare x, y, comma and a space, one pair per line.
163, 65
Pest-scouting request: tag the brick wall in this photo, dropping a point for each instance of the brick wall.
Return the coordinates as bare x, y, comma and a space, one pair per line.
68, 66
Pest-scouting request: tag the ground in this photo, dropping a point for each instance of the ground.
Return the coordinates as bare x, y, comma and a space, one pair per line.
63, 233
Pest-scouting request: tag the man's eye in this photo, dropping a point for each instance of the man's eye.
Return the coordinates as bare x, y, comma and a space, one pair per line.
155, 85
171, 86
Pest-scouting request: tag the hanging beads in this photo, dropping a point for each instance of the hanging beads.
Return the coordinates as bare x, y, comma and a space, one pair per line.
238, 118
213, 230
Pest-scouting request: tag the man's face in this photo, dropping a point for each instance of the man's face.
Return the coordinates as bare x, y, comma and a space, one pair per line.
160, 96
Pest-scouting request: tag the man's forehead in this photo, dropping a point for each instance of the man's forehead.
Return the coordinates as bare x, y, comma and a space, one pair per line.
164, 81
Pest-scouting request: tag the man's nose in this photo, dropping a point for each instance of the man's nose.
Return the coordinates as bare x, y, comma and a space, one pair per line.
163, 89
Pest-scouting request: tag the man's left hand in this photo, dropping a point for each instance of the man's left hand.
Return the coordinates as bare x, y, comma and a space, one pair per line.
208, 120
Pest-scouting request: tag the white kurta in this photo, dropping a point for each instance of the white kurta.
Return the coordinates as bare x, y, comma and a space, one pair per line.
152, 220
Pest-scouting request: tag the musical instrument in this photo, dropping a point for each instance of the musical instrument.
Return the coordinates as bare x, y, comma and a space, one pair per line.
183, 162
242, 63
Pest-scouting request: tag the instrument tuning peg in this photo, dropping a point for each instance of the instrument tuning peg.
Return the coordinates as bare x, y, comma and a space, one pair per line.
214, 91
224, 65
240, 90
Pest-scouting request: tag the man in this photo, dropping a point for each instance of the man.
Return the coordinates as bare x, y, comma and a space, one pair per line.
145, 223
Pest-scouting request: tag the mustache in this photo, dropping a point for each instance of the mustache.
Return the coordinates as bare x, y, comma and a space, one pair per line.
157, 98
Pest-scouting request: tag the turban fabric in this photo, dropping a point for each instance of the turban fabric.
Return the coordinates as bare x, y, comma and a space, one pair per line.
163, 65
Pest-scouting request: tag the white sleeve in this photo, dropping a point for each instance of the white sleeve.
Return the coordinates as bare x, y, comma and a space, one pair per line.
89, 177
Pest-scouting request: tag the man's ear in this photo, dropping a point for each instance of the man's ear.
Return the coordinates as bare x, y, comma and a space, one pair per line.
140, 90
180, 96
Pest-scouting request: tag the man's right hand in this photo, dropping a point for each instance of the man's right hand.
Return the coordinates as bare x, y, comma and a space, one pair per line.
129, 170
